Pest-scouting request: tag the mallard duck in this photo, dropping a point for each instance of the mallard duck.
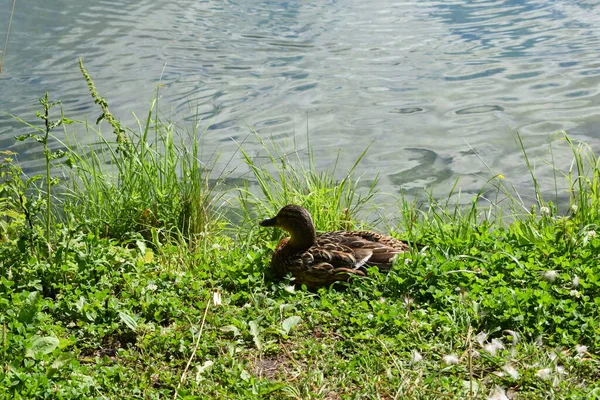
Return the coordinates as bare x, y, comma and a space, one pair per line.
329, 257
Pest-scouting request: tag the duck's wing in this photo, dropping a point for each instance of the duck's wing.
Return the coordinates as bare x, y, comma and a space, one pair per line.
323, 255
334, 254
363, 247
374, 237
318, 266
324, 274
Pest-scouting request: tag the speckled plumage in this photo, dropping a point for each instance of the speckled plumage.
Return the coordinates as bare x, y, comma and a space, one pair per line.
332, 256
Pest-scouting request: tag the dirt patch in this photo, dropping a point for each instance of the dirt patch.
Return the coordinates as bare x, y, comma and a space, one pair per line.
332, 396
277, 365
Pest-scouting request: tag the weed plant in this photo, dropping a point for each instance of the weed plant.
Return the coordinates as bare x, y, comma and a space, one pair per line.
150, 182
289, 176
137, 290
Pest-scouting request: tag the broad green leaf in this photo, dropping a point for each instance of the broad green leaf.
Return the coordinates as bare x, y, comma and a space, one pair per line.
289, 323
65, 342
201, 369
254, 331
244, 375
148, 256
141, 245
232, 329
61, 360
80, 303
28, 309
128, 320
41, 345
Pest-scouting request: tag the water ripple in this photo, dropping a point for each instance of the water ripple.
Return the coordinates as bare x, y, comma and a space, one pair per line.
415, 79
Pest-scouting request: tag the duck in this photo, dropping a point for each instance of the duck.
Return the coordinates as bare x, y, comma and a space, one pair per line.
320, 260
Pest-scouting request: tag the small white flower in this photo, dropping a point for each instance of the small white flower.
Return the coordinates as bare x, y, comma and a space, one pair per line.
575, 281
580, 349
151, 287
511, 371
589, 235
217, 298
549, 276
575, 293
498, 394
561, 370
574, 208
407, 261
545, 211
544, 373
408, 300
450, 359
290, 288
415, 357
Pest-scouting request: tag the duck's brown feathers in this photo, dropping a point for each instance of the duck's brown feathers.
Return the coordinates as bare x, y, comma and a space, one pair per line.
333, 256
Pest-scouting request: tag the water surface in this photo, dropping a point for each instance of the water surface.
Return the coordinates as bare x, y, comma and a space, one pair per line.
435, 86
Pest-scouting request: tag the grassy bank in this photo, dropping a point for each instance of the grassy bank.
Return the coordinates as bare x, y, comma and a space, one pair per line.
122, 276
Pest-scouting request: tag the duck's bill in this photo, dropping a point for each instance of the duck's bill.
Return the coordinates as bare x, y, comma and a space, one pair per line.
268, 222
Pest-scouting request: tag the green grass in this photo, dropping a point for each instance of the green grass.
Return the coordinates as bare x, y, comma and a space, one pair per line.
132, 283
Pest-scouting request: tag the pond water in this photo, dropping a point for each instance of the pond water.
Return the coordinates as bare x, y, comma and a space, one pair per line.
437, 88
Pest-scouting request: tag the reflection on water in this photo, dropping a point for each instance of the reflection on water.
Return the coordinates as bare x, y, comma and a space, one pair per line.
423, 81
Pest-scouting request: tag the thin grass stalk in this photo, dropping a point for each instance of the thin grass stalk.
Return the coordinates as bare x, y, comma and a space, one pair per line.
12, 12
47, 156
538, 194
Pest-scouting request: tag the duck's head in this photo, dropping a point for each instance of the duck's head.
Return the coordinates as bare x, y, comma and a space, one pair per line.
297, 221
